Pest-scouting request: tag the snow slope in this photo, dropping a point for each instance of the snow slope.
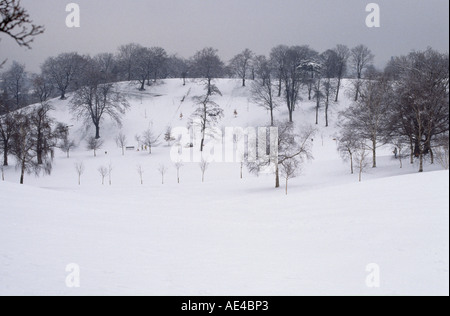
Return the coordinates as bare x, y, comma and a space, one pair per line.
226, 236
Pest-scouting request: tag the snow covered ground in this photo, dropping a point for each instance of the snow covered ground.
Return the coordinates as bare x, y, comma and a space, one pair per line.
227, 236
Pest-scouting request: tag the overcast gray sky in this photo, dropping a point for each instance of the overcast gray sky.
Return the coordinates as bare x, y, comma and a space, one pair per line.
185, 26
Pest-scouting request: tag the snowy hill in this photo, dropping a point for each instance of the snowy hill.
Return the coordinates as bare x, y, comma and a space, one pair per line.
227, 236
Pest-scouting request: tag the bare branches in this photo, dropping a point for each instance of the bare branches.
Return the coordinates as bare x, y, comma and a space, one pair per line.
17, 24
79, 168
103, 171
121, 141
204, 164
94, 144
162, 169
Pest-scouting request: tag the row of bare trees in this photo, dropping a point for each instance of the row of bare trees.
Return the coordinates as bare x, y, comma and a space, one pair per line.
407, 106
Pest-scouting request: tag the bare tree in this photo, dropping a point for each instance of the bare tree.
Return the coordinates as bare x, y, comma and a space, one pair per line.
298, 60
263, 94
361, 155
106, 64
290, 145
360, 58
369, 116
8, 127
24, 148
159, 61
400, 144
208, 112
143, 66
79, 168
94, 101
421, 101
94, 144
138, 139
121, 141
140, 171
43, 88
14, 84
103, 171
126, 57
16, 23
162, 169
208, 65
168, 136
278, 61
241, 63
330, 64
42, 125
347, 145
442, 156
318, 95
343, 54
149, 139
204, 164
64, 71
66, 145
290, 170
178, 166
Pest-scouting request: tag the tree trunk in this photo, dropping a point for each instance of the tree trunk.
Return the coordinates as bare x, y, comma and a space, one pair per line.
39, 156
142, 88
22, 172
201, 144
286, 186
337, 90
243, 82
97, 131
5, 157
351, 163
431, 156
326, 112
421, 161
242, 167
357, 92
279, 87
277, 177
360, 174
79, 179
317, 111
412, 153
271, 116
374, 154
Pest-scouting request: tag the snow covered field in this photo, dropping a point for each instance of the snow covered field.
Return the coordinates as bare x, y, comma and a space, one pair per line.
227, 236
